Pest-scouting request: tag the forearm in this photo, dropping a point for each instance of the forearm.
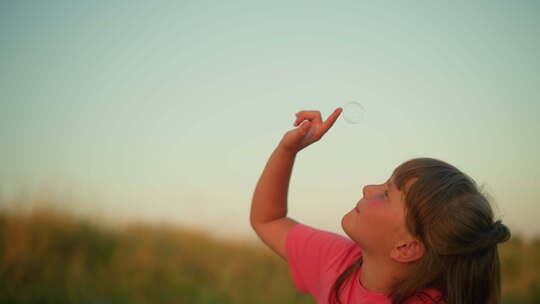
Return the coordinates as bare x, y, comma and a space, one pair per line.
270, 197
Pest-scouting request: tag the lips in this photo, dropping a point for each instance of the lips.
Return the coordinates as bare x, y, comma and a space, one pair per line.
357, 205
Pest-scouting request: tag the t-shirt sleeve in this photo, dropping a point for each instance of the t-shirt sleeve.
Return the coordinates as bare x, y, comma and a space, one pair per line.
311, 253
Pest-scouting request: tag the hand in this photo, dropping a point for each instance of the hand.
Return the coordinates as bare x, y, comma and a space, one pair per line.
310, 128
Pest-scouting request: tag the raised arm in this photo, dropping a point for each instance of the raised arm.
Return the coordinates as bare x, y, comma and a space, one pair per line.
269, 204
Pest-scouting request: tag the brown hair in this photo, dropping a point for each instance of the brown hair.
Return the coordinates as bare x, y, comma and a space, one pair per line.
447, 212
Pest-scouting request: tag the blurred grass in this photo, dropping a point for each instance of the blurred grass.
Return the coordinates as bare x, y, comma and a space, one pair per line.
51, 256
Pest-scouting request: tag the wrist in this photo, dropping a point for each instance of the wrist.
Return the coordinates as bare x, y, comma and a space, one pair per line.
282, 151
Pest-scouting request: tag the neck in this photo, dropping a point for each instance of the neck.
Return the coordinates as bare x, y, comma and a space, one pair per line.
378, 275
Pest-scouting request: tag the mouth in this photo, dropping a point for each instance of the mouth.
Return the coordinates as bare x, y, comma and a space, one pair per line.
356, 209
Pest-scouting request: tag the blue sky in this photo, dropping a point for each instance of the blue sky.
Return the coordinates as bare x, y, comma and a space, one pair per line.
169, 110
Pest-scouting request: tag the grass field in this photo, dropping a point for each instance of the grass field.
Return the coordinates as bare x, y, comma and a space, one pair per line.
49, 256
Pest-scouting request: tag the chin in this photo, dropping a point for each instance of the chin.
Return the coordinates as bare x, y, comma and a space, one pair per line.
348, 224
344, 225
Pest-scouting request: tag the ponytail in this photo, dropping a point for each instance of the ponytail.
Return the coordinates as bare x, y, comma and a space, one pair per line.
476, 269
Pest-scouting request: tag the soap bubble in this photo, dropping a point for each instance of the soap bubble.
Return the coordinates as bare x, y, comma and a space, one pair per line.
353, 112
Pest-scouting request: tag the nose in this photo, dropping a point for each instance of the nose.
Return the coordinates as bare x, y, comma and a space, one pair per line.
367, 190
370, 190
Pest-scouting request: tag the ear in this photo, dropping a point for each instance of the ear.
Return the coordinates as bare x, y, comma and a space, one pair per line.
408, 251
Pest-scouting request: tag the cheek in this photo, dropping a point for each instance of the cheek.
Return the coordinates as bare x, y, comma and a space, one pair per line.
374, 202
376, 218
372, 206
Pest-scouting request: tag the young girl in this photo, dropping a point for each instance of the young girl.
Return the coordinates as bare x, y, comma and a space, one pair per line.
427, 235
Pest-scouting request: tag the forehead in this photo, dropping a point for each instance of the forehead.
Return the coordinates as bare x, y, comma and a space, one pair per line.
390, 183
397, 205
392, 186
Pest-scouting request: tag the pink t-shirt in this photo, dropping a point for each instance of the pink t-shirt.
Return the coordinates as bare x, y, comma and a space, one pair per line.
316, 258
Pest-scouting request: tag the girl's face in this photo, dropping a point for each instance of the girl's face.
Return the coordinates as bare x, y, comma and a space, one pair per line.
377, 222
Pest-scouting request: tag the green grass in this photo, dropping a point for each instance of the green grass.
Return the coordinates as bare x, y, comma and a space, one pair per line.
48, 256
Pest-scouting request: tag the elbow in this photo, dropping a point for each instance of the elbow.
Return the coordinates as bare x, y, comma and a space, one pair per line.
256, 216
256, 222
253, 222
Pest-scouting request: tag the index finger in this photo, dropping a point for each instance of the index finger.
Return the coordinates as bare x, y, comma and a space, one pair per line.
329, 122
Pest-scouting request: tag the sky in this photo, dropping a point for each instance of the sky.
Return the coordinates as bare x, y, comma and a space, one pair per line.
168, 111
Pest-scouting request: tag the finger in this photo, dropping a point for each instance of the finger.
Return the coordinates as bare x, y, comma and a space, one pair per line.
313, 116
329, 122
301, 131
298, 120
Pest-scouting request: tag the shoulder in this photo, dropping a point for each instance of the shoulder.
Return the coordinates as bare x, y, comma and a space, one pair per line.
330, 247
316, 257
426, 296
304, 231
303, 237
